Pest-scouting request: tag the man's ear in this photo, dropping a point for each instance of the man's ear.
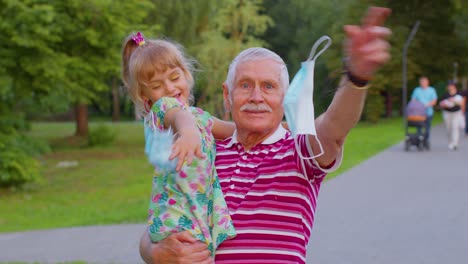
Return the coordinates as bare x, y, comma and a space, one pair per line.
226, 96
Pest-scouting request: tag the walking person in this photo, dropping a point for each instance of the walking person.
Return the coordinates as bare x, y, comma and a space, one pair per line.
452, 104
427, 95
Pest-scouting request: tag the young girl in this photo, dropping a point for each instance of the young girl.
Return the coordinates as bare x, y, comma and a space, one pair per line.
186, 195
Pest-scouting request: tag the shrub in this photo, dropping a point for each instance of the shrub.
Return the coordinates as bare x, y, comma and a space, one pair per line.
17, 162
9, 124
101, 136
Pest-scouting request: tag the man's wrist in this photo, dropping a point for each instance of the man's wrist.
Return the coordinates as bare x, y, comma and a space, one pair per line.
355, 81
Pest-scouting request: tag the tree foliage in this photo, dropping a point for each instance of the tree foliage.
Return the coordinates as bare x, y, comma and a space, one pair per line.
66, 50
213, 32
57, 53
237, 25
298, 25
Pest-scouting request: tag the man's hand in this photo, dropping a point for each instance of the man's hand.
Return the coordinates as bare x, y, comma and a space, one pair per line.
366, 48
179, 248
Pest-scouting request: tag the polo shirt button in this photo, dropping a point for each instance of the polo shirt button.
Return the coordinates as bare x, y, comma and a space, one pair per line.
237, 171
244, 157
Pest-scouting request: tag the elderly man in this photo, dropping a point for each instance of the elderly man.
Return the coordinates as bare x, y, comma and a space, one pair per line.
270, 197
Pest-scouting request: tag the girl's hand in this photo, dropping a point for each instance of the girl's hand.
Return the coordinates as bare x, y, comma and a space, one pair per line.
186, 146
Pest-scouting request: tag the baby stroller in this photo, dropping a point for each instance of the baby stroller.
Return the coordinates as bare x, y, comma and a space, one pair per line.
415, 126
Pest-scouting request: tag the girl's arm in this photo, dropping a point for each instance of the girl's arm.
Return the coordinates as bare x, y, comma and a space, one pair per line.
222, 129
188, 141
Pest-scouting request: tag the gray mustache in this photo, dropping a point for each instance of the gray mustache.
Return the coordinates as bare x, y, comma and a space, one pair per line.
256, 107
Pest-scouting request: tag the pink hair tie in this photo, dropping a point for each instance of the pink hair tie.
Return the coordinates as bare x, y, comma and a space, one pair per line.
138, 38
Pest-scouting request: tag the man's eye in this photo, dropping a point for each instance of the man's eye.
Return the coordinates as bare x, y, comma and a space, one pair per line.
269, 86
245, 85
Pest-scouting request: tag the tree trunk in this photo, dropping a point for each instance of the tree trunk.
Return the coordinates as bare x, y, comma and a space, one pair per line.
81, 115
115, 102
389, 105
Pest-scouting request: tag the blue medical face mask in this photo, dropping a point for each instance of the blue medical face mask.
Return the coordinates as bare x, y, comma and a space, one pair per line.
298, 102
158, 145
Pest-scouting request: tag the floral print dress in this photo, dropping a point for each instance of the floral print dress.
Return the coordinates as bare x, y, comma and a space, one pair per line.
192, 198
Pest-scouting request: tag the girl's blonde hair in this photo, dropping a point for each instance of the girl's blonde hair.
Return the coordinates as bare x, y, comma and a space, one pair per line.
140, 62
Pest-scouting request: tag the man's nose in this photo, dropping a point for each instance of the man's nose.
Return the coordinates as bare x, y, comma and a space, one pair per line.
256, 95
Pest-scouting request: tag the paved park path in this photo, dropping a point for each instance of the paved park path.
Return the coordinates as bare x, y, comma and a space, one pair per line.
397, 207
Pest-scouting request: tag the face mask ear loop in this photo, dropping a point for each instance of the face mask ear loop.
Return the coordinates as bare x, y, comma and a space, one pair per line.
314, 56
296, 144
302, 158
304, 168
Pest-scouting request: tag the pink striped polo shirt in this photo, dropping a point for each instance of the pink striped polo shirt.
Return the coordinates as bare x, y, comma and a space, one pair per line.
270, 200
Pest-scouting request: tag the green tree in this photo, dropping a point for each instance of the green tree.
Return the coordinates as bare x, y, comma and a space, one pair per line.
183, 21
461, 30
212, 32
65, 50
29, 64
26, 67
298, 24
91, 36
436, 45
237, 25
55, 52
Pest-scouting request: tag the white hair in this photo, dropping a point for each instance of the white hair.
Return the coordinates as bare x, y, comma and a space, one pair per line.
253, 54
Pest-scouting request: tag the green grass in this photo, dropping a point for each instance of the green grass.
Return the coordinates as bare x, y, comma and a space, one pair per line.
109, 185
112, 184
366, 140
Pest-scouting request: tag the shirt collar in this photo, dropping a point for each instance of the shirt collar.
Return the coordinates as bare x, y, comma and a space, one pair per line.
273, 138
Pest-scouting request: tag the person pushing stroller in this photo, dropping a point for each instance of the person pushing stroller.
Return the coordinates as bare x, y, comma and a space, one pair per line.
426, 95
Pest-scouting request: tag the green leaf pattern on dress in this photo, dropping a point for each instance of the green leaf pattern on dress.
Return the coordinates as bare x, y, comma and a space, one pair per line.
193, 202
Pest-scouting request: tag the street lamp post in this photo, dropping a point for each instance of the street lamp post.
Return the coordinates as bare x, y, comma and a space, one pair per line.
455, 69
404, 84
